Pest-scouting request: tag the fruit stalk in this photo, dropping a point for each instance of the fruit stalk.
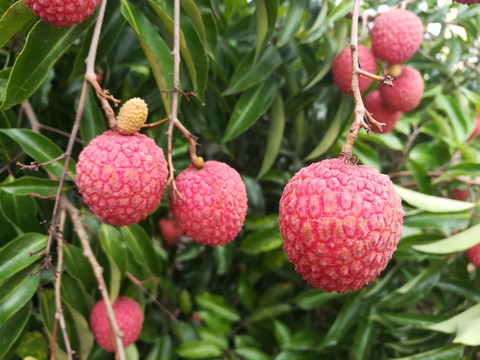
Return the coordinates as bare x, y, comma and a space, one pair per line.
360, 112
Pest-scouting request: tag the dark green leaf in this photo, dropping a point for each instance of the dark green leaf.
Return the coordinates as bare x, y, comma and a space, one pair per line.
28, 185
78, 266
252, 104
17, 16
448, 352
93, 120
13, 328
266, 19
218, 305
251, 354
262, 241
114, 245
268, 312
198, 349
292, 22
311, 299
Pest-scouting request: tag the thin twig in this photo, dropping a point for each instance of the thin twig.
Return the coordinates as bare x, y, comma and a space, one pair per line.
79, 227
35, 165
31, 116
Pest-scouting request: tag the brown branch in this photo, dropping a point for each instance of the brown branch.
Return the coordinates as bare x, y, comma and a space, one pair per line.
387, 80
175, 90
35, 165
13, 160
49, 196
79, 226
31, 116
360, 112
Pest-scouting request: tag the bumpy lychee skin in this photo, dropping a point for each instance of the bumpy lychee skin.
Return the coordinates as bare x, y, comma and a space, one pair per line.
129, 318
132, 116
396, 35
342, 68
62, 12
214, 203
122, 178
340, 224
170, 231
407, 90
381, 112
467, 2
473, 255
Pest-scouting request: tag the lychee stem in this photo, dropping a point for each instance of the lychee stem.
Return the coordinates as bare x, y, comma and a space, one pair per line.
360, 112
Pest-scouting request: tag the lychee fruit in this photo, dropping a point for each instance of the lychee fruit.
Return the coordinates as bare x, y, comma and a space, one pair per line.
213, 204
473, 255
459, 194
467, 2
407, 90
129, 318
380, 112
62, 12
122, 178
396, 35
476, 129
342, 68
170, 231
132, 116
340, 224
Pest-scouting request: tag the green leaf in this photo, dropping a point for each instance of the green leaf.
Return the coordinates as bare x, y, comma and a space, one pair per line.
141, 246
196, 18
245, 291
292, 22
448, 352
250, 72
268, 312
262, 241
156, 50
45, 45
214, 337
93, 120
19, 253
33, 344
13, 20
16, 292
431, 203
266, 19
252, 104
86, 339
465, 168
11, 331
282, 332
456, 118
114, 245
75, 295
365, 335
275, 135
251, 354
40, 148
27, 185
459, 242
78, 266
311, 299
219, 306
199, 349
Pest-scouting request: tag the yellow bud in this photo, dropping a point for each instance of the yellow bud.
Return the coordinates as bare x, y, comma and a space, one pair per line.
394, 71
132, 116
199, 162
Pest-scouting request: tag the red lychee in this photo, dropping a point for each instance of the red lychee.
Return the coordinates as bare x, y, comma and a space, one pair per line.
460, 194
473, 255
340, 224
467, 2
396, 35
342, 68
476, 129
62, 12
213, 205
382, 113
170, 231
129, 318
122, 178
407, 90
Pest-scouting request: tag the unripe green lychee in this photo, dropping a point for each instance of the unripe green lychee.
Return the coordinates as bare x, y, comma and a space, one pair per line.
342, 68
407, 90
381, 112
213, 205
340, 224
62, 12
129, 317
122, 178
396, 35
132, 116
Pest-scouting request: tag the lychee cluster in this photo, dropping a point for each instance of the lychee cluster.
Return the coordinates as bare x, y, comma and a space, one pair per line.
340, 224
62, 12
211, 203
395, 37
129, 317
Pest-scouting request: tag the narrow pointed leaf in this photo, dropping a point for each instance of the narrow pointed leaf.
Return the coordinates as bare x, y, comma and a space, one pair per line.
31, 185
459, 242
13, 20
114, 245
141, 246
11, 331
267, 11
199, 349
219, 306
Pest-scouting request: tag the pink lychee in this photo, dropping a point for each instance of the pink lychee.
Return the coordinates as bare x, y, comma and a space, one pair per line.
340, 224
473, 255
459, 194
213, 204
122, 178
407, 90
342, 68
380, 112
170, 231
396, 35
476, 129
62, 12
129, 318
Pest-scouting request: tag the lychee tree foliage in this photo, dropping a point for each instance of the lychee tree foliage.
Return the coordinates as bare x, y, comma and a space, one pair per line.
265, 103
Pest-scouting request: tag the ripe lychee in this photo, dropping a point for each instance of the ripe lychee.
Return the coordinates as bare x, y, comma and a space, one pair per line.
473, 255
407, 90
342, 68
382, 113
170, 231
132, 116
122, 178
340, 224
213, 204
64, 12
129, 318
467, 2
459, 194
396, 35
476, 129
